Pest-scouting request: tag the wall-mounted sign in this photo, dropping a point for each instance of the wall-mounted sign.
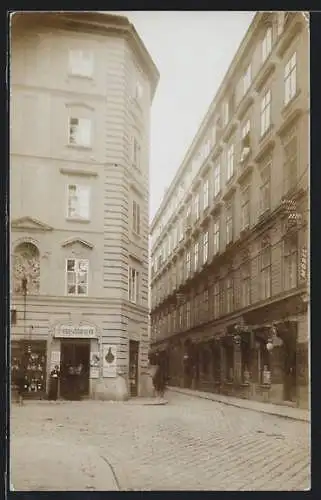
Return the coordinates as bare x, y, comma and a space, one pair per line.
109, 360
303, 264
75, 331
55, 359
94, 364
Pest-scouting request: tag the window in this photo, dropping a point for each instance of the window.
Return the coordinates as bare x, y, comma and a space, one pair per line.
290, 262
77, 277
138, 90
133, 285
217, 179
265, 112
245, 207
78, 201
13, 316
181, 270
247, 78
170, 242
181, 229
180, 317
174, 237
79, 132
246, 129
225, 113
246, 284
188, 216
205, 306
205, 247
216, 297
229, 295
81, 63
196, 255
136, 217
205, 194
230, 162
265, 189
216, 230
267, 44
197, 206
188, 263
229, 223
265, 270
188, 315
136, 153
290, 151
290, 79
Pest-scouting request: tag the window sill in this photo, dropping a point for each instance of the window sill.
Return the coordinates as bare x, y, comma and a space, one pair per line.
80, 147
78, 219
77, 296
136, 235
80, 76
287, 106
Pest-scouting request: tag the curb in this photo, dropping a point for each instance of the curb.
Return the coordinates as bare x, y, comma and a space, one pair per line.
236, 404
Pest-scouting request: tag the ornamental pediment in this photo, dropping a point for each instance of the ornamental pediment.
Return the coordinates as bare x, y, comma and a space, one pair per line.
29, 224
77, 241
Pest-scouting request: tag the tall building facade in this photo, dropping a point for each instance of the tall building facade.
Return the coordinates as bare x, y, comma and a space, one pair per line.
82, 86
230, 246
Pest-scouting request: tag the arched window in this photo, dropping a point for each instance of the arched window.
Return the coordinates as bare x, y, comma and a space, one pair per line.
26, 264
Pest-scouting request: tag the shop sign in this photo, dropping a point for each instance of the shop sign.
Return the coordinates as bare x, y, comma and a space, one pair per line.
94, 364
109, 361
55, 359
303, 264
72, 331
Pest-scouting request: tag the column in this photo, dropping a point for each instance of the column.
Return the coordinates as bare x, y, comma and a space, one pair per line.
237, 364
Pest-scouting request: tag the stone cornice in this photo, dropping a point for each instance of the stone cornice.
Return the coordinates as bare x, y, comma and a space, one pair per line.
93, 22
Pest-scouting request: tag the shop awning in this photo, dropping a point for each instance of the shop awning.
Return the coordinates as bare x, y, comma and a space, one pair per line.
158, 348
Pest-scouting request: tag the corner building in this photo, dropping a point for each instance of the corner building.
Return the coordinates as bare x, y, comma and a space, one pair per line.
82, 85
230, 246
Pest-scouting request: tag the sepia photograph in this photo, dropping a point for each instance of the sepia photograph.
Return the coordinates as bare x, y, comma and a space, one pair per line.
159, 239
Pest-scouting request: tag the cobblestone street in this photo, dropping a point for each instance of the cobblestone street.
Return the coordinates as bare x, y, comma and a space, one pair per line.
188, 444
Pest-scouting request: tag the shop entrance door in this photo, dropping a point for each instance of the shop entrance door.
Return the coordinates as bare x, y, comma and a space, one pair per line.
133, 367
75, 356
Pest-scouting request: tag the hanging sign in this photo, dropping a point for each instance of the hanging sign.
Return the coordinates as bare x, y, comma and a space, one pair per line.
109, 360
94, 364
303, 264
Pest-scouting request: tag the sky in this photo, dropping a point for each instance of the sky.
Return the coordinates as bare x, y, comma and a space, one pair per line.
192, 51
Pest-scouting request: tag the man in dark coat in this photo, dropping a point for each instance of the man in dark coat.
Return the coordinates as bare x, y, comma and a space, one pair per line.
53, 384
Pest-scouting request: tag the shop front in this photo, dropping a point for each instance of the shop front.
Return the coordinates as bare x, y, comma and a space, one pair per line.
29, 359
75, 350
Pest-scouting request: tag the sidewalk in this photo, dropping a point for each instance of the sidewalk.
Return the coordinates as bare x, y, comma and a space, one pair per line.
268, 408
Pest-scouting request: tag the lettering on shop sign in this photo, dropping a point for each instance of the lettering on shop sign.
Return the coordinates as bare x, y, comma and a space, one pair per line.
81, 331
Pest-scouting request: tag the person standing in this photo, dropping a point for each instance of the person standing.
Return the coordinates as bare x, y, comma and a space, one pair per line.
54, 383
21, 385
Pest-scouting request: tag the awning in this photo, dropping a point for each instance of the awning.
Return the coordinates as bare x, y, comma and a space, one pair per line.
154, 349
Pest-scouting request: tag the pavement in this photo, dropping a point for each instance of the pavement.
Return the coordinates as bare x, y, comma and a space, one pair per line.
268, 408
188, 444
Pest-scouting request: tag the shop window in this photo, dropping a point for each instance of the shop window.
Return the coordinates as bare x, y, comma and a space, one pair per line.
264, 362
31, 360
246, 361
229, 360
206, 360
